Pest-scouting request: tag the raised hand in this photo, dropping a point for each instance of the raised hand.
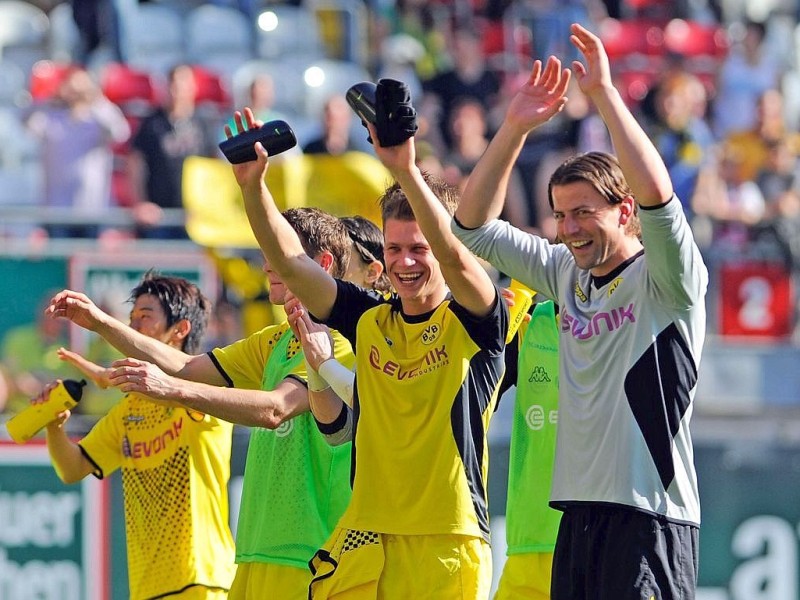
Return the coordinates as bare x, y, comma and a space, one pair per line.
76, 307
541, 97
248, 173
99, 375
397, 159
596, 73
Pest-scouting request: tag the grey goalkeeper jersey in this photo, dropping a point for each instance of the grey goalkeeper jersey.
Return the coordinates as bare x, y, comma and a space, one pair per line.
630, 346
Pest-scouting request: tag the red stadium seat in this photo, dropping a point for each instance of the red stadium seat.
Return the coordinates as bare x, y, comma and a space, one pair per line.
131, 89
624, 38
211, 89
46, 77
693, 39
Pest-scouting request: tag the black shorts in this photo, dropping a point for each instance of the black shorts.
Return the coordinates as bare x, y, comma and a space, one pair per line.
611, 553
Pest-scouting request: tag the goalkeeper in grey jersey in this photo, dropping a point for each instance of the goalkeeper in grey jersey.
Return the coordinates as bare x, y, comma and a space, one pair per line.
631, 285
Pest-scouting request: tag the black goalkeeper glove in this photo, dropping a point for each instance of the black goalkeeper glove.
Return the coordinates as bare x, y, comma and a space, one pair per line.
395, 117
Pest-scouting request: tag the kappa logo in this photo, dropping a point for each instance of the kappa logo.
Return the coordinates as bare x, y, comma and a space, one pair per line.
539, 375
579, 292
614, 285
431, 333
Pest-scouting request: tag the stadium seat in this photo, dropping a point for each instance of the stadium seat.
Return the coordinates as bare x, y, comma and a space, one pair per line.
20, 164
153, 37
212, 91
13, 92
625, 38
46, 77
286, 30
64, 37
24, 31
694, 39
324, 78
131, 89
218, 37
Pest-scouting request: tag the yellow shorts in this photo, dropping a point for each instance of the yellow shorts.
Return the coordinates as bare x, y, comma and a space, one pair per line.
361, 565
200, 592
255, 581
526, 576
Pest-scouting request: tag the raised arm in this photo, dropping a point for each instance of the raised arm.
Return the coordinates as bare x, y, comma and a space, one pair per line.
278, 241
538, 100
79, 309
254, 408
468, 281
641, 163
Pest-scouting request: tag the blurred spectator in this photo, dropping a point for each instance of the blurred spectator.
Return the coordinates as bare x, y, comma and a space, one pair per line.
97, 22
261, 99
729, 207
783, 230
753, 144
337, 130
164, 139
399, 56
469, 135
77, 129
746, 73
224, 326
469, 77
421, 20
779, 175
677, 128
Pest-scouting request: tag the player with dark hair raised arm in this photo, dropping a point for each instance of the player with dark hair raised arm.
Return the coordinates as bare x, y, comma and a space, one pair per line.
175, 461
429, 361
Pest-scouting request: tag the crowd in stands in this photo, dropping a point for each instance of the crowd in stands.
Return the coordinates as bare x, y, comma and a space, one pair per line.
709, 87
715, 89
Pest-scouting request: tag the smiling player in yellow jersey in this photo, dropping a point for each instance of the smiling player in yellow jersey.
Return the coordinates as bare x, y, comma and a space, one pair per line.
429, 363
175, 462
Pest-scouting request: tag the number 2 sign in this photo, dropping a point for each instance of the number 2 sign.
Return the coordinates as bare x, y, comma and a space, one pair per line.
756, 299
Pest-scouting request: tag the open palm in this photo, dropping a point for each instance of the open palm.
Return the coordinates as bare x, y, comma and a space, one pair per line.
541, 97
596, 72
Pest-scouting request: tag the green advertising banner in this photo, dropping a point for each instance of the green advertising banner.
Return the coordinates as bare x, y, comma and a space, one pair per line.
53, 538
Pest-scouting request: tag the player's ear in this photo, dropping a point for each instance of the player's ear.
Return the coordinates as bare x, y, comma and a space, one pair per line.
374, 271
626, 209
180, 330
325, 260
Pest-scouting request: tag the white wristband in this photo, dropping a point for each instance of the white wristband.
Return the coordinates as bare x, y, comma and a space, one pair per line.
315, 382
340, 378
